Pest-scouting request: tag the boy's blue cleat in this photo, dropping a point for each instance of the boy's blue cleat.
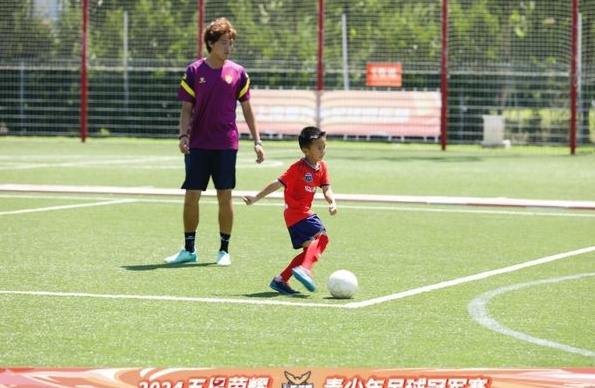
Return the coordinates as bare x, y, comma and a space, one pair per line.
182, 257
304, 276
282, 287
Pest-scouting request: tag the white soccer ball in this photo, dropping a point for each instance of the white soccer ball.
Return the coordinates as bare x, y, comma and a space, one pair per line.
342, 284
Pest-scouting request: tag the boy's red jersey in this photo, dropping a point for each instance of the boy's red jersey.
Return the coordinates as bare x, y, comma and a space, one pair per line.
301, 180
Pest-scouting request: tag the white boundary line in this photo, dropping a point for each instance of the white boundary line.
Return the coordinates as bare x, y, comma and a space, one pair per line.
64, 207
352, 305
479, 312
169, 298
427, 200
368, 206
471, 278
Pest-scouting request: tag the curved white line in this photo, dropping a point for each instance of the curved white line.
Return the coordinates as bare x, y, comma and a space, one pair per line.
479, 312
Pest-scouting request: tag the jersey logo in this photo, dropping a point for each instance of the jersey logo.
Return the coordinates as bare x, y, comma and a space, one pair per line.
202, 80
308, 177
228, 78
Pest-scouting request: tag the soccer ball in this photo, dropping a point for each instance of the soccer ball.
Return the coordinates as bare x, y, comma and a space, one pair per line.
342, 284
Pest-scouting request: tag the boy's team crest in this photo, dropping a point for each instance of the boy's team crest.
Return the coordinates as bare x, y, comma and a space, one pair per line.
308, 177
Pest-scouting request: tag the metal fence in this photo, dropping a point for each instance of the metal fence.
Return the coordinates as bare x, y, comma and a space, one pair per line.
133, 80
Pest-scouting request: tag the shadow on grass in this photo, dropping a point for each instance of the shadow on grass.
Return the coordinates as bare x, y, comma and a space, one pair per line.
273, 294
152, 267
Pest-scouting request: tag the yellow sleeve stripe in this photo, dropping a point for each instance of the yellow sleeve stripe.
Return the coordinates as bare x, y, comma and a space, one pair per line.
245, 88
188, 88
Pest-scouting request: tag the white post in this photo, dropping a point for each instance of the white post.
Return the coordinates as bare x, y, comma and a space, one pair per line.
345, 55
22, 96
125, 59
579, 78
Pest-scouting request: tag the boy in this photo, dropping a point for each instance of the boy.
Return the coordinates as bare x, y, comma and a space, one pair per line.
306, 230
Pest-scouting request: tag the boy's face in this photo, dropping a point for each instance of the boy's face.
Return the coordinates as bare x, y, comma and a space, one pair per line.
315, 152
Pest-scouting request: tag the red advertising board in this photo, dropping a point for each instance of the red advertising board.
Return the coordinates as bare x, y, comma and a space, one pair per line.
384, 74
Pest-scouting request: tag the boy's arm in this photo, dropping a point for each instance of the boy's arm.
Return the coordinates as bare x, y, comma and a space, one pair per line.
270, 188
330, 198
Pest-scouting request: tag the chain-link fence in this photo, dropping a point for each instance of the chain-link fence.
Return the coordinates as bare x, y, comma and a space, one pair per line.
509, 65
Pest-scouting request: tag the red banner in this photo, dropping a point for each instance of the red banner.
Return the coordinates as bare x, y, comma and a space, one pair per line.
384, 74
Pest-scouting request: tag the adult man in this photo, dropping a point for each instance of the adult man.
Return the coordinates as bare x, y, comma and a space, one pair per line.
209, 92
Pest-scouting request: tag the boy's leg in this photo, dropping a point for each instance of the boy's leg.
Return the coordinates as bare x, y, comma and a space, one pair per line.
279, 283
287, 273
314, 250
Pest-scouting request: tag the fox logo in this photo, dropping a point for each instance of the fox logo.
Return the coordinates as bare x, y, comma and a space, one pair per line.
298, 380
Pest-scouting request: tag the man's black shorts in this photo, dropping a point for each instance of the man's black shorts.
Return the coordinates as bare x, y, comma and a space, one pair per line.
201, 165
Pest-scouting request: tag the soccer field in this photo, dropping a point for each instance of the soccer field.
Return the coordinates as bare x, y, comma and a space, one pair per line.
442, 283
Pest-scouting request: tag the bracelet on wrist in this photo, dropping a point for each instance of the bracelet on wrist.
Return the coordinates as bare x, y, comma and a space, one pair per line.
257, 143
183, 135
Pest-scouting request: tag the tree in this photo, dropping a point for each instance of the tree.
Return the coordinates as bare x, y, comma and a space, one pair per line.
24, 36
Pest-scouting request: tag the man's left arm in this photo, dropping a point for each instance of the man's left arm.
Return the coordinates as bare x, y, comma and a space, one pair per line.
251, 122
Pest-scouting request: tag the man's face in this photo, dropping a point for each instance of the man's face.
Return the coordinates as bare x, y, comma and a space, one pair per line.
223, 47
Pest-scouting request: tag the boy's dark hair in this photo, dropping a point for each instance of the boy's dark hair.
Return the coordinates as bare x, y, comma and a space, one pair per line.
216, 29
308, 134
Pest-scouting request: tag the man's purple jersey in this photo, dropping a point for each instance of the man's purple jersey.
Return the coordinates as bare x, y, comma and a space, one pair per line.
214, 94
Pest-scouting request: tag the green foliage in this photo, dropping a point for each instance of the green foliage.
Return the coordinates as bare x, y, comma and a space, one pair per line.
28, 36
287, 31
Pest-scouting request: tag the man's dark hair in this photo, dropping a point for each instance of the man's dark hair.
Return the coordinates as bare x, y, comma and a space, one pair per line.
308, 134
216, 29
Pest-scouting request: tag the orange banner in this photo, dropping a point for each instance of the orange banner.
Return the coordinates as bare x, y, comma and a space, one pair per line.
384, 74
294, 378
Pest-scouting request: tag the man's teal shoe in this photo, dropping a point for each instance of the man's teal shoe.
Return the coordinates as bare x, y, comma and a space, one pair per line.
182, 257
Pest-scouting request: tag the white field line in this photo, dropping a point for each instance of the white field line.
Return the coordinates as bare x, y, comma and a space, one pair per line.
369, 302
352, 305
468, 279
65, 207
170, 298
427, 200
86, 162
479, 312
369, 206
164, 162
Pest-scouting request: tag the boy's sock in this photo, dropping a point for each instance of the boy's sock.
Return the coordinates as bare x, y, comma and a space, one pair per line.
314, 251
287, 274
189, 238
224, 242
